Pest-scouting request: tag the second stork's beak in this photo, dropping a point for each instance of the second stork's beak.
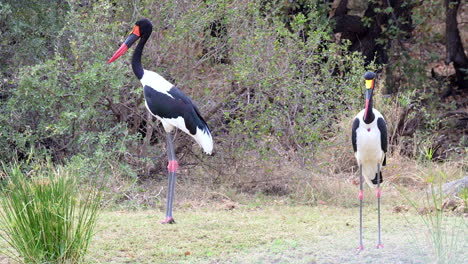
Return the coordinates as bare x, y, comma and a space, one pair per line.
134, 36
370, 78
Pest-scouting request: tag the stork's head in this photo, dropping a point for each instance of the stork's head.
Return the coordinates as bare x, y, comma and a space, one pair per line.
142, 28
370, 79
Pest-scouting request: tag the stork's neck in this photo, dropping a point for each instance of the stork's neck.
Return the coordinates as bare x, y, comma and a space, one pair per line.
136, 58
370, 114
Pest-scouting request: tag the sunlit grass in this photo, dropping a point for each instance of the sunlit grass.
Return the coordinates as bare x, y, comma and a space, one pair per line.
257, 232
266, 233
230, 227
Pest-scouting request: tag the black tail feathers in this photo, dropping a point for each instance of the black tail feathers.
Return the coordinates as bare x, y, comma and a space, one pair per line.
377, 180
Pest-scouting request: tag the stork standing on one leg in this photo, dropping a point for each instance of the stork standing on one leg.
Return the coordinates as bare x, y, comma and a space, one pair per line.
369, 137
168, 104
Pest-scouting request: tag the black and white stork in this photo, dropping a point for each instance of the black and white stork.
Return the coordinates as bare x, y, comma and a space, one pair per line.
168, 104
369, 138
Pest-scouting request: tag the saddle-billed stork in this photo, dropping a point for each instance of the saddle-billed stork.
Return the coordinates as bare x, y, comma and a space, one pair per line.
168, 104
369, 138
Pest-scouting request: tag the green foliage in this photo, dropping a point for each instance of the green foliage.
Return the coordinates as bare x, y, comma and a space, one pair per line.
408, 61
405, 71
415, 80
29, 30
45, 216
66, 104
297, 80
269, 73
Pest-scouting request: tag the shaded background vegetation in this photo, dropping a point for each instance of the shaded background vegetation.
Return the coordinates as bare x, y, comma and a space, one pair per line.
278, 82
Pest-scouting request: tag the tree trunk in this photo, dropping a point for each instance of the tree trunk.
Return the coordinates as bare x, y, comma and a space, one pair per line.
455, 51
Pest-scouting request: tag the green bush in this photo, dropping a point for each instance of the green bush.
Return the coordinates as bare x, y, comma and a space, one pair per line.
45, 217
298, 81
70, 102
29, 31
262, 74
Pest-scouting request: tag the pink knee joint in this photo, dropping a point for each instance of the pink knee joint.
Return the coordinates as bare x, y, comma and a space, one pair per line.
172, 166
379, 193
361, 195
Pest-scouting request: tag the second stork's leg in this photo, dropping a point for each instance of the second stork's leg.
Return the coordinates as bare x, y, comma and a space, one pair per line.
379, 193
361, 196
172, 171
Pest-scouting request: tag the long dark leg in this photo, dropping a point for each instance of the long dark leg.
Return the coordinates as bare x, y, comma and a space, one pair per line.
361, 196
379, 193
172, 169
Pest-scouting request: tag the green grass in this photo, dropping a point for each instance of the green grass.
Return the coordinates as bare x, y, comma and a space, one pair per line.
445, 235
45, 217
265, 233
266, 229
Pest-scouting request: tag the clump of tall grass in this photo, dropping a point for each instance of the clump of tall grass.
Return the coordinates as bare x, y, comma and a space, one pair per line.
444, 232
45, 216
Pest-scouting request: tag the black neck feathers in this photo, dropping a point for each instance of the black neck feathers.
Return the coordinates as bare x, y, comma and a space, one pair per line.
370, 114
136, 58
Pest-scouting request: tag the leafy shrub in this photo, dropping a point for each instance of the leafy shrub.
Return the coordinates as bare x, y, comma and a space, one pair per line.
69, 103
29, 31
297, 80
45, 217
267, 77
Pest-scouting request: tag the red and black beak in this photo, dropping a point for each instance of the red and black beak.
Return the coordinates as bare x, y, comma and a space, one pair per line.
132, 38
369, 93
370, 81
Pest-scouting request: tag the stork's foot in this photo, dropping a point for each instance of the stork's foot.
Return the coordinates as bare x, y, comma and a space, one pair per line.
360, 248
168, 220
380, 245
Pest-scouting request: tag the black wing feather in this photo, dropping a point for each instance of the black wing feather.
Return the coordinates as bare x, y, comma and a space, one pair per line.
383, 138
383, 133
354, 133
193, 117
179, 104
